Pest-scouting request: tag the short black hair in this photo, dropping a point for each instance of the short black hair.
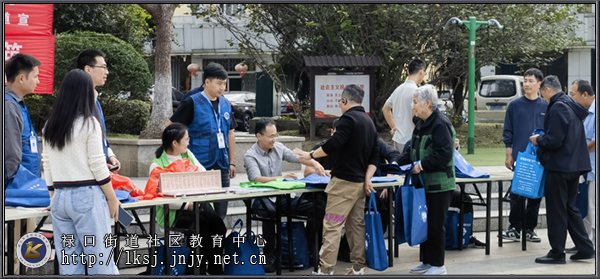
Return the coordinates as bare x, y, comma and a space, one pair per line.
535, 72
415, 66
262, 124
551, 82
214, 70
584, 86
20, 64
335, 123
88, 58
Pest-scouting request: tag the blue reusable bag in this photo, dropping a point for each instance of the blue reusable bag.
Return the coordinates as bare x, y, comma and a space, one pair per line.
528, 180
383, 179
414, 207
124, 196
26, 190
245, 251
399, 216
452, 224
395, 169
299, 244
377, 257
179, 269
464, 170
313, 181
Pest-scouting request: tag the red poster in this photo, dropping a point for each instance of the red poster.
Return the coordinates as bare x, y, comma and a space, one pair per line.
28, 19
40, 47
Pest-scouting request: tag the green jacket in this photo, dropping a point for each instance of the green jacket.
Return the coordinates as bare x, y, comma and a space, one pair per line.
433, 143
163, 162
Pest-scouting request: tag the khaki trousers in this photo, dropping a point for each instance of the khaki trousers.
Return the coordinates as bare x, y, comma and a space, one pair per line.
399, 147
590, 220
345, 207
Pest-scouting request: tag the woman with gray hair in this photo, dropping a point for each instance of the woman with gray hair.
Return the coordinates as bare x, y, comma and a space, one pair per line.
432, 154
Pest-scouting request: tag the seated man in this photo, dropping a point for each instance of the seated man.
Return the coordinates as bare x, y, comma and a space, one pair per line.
386, 155
263, 164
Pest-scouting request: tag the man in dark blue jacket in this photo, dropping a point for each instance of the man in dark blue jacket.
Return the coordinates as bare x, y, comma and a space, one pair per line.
564, 155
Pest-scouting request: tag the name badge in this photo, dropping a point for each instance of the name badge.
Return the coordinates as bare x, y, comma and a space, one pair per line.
33, 144
221, 140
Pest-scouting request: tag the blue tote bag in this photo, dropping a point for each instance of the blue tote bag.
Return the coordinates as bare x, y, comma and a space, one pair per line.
299, 244
178, 269
464, 170
375, 243
528, 180
247, 252
452, 234
313, 181
26, 190
414, 207
399, 218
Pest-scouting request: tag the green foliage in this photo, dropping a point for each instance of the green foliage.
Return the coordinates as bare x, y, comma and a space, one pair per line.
128, 22
128, 70
125, 117
39, 107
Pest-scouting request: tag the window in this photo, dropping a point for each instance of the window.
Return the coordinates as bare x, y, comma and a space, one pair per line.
500, 88
232, 9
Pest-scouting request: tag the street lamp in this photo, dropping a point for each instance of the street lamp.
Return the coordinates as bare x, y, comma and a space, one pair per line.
472, 25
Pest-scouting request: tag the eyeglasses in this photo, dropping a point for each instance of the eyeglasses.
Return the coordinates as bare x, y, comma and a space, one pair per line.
272, 137
103, 67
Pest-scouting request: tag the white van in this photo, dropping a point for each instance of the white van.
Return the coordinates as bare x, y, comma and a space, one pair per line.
493, 96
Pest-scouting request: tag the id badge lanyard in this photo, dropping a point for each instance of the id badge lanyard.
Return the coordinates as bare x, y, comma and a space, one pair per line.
220, 137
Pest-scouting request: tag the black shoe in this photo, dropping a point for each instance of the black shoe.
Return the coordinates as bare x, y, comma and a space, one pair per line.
475, 243
582, 256
572, 250
270, 263
552, 259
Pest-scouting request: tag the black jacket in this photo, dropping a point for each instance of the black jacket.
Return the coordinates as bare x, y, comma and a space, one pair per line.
563, 147
387, 155
353, 146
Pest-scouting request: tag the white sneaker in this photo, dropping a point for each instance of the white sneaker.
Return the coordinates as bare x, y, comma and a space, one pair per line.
422, 268
362, 271
436, 270
319, 272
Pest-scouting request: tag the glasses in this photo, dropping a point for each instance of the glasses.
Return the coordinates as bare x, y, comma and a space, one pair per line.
103, 67
272, 137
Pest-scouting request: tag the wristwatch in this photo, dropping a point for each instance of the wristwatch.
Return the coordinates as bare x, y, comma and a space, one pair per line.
311, 154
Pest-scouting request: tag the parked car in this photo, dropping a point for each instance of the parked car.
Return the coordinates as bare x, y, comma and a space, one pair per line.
494, 94
286, 107
243, 107
176, 96
446, 106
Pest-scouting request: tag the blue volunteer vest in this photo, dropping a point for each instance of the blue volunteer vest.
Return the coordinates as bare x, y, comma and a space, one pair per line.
31, 161
105, 144
204, 128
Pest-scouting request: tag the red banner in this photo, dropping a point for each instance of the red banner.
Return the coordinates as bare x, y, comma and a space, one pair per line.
28, 19
40, 47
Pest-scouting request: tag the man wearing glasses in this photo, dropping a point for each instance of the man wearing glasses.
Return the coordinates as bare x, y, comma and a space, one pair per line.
263, 164
92, 62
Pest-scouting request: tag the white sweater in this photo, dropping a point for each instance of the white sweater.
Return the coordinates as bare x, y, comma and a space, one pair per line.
81, 162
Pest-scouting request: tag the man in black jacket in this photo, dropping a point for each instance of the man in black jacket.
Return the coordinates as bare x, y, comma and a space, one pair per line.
354, 147
563, 153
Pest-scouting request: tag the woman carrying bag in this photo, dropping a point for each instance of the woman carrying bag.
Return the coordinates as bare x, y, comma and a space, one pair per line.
82, 198
432, 153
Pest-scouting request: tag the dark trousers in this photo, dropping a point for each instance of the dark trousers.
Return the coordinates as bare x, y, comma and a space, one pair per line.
516, 212
221, 207
433, 249
302, 206
562, 215
210, 224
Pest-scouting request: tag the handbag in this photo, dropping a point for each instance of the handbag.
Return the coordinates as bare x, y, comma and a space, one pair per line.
464, 170
375, 243
452, 224
299, 244
414, 207
248, 253
178, 269
26, 190
529, 178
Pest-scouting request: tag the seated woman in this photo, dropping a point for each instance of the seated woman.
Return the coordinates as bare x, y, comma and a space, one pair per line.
175, 141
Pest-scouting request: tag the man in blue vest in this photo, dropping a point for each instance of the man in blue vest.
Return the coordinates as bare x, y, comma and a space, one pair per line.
210, 125
92, 62
20, 139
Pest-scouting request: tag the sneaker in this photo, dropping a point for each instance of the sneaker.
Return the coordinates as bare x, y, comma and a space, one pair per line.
362, 271
511, 234
319, 272
422, 268
436, 270
531, 236
571, 250
475, 243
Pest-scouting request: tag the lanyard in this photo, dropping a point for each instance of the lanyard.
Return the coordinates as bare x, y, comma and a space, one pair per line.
217, 118
23, 106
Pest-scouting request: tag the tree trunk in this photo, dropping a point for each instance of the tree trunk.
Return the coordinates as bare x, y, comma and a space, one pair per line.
162, 106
